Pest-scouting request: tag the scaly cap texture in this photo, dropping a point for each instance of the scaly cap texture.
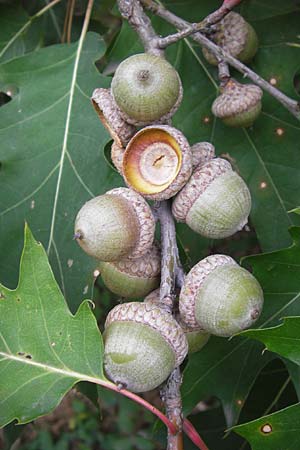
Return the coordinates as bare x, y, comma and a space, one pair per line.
154, 317
133, 278
200, 180
193, 282
110, 116
145, 219
240, 103
236, 36
202, 152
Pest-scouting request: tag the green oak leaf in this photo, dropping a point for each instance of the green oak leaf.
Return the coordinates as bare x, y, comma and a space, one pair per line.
277, 431
283, 339
52, 162
18, 33
44, 349
228, 368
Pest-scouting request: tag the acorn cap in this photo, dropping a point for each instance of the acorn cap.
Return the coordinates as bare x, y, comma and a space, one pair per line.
145, 219
142, 345
115, 225
220, 296
147, 89
133, 278
202, 152
117, 154
193, 282
196, 337
235, 36
239, 104
215, 202
110, 116
157, 162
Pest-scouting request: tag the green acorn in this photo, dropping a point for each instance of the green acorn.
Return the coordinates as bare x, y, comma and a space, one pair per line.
142, 345
116, 225
146, 89
133, 278
215, 202
220, 297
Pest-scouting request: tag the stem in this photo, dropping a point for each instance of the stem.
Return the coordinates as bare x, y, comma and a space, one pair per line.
26, 25
192, 433
172, 430
291, 105
170, 266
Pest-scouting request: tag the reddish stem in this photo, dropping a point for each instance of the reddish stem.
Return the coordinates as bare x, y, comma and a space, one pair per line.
231, 3
192, 433
171, 427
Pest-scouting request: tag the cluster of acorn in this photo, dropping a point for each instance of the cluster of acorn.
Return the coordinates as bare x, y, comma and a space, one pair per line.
143, 341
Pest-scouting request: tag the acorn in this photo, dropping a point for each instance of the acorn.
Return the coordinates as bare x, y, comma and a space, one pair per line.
196, 337
111, 117
116, 225
215, 202
117, 154
146, 89
220, 297
239, 104
133, 278
202, 152
142, 345
235, 36
157, 162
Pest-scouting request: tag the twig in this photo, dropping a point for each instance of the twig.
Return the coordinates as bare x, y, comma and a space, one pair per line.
223, 72
170, 266
140, 22
291, 105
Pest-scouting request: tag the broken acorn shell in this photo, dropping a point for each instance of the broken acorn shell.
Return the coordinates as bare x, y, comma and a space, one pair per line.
118, 224
117, 154
239, 104
133, 278
202, 152
235, 36
147, 89
196, 337
142, 345
157, 162
110, 116
220, 297
215, 202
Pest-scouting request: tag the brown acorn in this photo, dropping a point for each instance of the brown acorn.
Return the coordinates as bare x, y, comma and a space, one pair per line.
234, 35
157, 162
116, 225
239, 104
